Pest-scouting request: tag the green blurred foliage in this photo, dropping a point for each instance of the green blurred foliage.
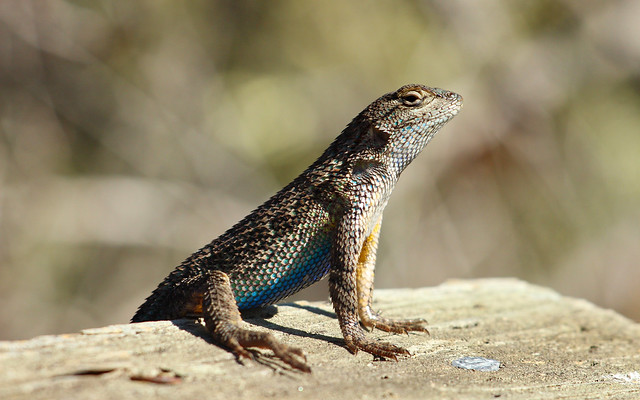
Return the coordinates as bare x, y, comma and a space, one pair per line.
132, 133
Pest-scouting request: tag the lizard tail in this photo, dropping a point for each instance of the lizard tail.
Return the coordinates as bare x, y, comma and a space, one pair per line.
173, 298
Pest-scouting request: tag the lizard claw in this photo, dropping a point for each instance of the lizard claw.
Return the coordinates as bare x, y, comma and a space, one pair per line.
380, 349
375, 321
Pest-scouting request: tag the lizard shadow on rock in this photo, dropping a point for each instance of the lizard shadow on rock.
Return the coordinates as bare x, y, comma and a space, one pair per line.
259, 317
194, 327
315, 310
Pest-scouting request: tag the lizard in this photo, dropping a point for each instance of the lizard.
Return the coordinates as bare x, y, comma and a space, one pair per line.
325, 222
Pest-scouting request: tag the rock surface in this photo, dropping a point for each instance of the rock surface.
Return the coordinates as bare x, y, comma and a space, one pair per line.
548, 346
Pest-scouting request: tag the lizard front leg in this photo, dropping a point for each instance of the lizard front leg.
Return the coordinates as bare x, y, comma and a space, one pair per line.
222, 318
364, 284
343, 290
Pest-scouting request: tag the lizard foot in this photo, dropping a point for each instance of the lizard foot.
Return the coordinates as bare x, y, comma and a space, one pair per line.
244, 339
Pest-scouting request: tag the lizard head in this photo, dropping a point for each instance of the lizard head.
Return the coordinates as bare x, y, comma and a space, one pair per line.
401, 123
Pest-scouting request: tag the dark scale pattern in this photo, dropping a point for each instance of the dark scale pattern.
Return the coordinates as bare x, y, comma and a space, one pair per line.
301, 260
326, 221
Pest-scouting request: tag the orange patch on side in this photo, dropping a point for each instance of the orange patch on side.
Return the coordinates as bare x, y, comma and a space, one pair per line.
365, 273
194, 305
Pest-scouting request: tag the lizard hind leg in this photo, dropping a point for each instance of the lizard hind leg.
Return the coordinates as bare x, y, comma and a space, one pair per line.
222, 318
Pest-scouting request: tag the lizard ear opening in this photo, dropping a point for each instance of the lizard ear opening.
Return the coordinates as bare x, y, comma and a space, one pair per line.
378, 137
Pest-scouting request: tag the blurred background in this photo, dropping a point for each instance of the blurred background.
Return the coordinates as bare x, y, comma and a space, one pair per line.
132, 133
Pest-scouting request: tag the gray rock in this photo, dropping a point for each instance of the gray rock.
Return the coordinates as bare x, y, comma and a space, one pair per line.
550, 346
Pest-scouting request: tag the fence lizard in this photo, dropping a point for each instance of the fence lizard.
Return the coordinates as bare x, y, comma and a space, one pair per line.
327, 221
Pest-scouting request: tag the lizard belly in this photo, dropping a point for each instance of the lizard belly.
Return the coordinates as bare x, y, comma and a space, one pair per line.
283, 274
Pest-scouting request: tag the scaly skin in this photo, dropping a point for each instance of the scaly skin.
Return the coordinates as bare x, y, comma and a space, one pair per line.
326, 221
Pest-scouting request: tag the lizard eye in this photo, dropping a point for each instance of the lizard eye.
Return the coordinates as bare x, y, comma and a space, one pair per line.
412, 98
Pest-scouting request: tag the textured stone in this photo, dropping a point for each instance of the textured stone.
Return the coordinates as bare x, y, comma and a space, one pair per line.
549, 347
